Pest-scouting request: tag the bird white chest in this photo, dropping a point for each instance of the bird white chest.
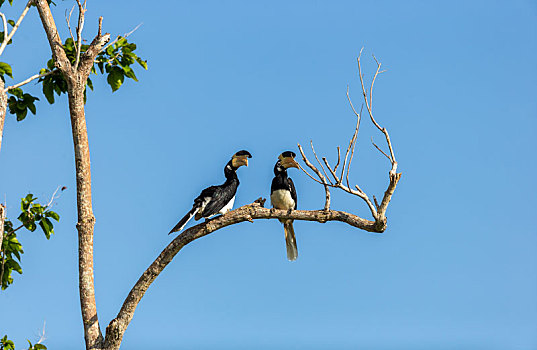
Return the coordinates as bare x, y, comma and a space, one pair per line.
281, 199
228, 206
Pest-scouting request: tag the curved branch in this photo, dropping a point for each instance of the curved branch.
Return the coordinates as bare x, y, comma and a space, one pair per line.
250, 212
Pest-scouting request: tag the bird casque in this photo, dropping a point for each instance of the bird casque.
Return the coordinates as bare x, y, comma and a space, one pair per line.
217, 199
283, 196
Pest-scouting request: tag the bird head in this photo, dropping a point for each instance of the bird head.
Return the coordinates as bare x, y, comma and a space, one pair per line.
287, 159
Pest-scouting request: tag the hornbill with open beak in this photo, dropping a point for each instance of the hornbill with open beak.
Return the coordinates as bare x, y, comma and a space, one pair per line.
217, 199
283, 196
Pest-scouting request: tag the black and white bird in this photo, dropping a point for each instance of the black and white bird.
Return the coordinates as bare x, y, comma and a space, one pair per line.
283, 196
217, 199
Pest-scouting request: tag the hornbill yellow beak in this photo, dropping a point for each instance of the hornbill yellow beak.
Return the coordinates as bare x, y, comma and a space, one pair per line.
240, 158
288, 161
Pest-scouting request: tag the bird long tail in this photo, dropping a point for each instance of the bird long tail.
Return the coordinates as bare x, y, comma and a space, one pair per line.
182, 223
290, 240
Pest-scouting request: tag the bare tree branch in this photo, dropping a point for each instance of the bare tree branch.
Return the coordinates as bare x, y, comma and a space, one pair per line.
33, 77
81, 15
381, 151
123, 36
68, 20
7, 37
338, 158
323, 181
377, 211
322, 167
250, 212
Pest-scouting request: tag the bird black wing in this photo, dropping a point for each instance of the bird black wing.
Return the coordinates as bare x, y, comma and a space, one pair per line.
220, 196
293, 190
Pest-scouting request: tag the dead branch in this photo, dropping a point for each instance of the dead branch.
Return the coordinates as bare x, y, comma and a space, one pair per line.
68, 20
323, 180
81, 15
124, 36
33, 77
250, 212
8, 37
377, 211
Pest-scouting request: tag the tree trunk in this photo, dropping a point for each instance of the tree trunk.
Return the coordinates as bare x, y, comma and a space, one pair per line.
86, 220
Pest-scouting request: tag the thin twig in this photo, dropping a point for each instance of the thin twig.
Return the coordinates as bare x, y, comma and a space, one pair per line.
68, 20
322, 167
81, 13
314, 179
53, 197
321, 177
381, 151
33, 77
353, 141
124, 36
338, 158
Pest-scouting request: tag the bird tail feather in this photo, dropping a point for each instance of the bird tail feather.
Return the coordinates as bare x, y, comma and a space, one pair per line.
182, 223
290, 240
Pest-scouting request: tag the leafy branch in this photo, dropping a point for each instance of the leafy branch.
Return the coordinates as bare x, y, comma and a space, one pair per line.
32, 215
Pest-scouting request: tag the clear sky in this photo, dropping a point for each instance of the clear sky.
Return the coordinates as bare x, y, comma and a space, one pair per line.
456, 268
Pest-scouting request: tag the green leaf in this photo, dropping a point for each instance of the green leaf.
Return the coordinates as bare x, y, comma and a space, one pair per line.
90, 84
52, 214
11, 22
48, 91
47, 227
31, 107
14, 265
39, 347
16, 92
115, 78
129, 73
6, 69
21, 115
141, 62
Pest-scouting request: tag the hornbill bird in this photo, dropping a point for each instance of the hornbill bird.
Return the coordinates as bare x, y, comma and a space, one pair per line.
217, 199
283, 196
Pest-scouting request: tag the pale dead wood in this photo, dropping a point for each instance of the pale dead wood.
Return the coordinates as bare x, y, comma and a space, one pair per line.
33, 77
377, 211
250, 212
8, 37
323, 180
68, 20
322, 167
81, 15
126, 35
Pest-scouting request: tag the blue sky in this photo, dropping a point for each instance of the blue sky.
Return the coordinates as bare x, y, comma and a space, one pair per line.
456, 267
